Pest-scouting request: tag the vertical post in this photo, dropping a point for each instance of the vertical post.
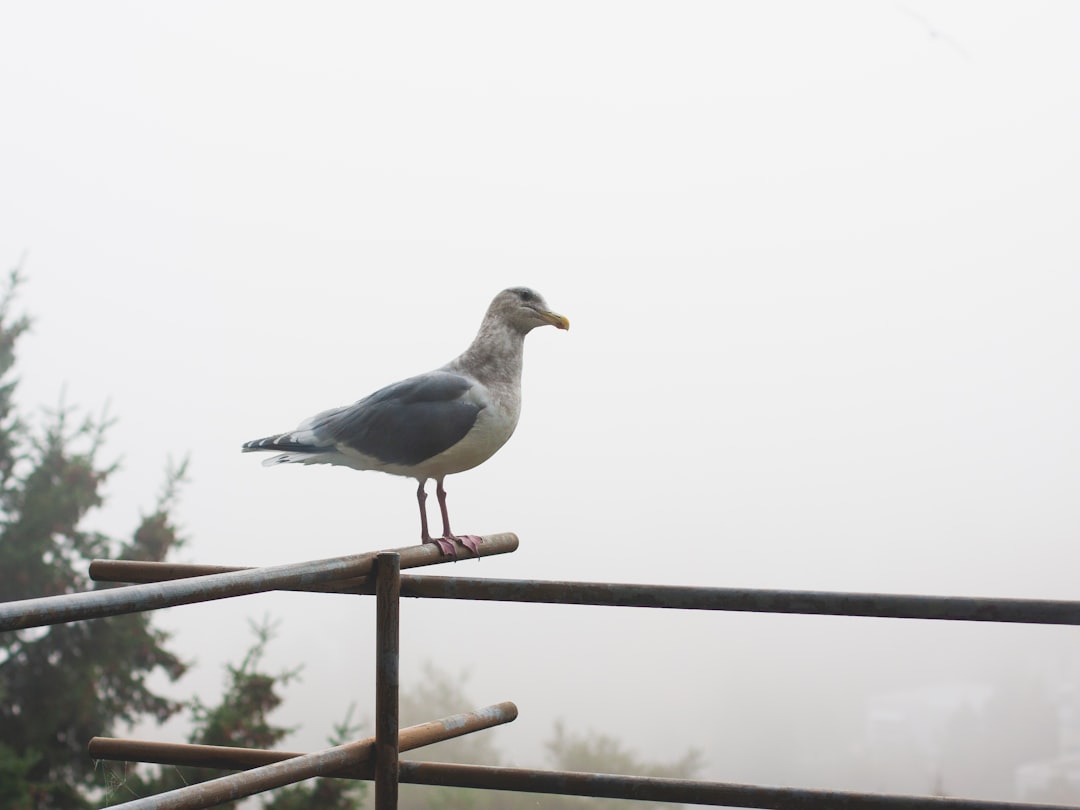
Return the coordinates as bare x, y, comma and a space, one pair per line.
387, 595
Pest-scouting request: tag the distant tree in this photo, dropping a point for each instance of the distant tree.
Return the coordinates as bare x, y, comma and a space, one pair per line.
331, 794
436, 695
439, 694
242, 719
61, 685
601, 753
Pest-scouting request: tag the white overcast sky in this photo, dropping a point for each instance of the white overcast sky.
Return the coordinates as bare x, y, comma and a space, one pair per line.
821, 262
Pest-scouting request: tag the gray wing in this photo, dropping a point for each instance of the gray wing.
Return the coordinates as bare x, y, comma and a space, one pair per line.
404, 423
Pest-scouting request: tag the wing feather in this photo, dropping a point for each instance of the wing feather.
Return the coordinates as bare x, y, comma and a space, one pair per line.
404, 423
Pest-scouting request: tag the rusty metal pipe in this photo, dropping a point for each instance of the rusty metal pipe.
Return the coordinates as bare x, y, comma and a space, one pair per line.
338, 761
133, 572
151, 596
901, 606
136, 571
387, 653
225, 757
655, 789
614, 786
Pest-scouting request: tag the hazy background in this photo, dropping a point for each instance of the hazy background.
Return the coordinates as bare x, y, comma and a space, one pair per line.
822, 266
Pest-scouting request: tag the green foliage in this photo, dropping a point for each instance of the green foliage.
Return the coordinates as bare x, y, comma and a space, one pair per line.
242, 719
16, 792
332, 794
64, 684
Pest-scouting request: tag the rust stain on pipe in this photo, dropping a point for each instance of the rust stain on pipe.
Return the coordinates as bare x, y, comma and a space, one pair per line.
154, 595
279, 768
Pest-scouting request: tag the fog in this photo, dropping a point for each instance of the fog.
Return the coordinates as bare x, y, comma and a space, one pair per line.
822, 269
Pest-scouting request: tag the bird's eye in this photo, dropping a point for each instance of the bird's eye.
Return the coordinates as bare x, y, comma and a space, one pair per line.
526, 295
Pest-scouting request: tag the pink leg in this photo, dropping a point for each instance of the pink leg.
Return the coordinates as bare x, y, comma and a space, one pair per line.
470, 541
445, 546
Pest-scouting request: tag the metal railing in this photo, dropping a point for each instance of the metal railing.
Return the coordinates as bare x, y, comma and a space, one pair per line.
378, 758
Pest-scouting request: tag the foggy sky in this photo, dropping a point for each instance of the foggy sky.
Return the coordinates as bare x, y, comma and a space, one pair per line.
822, 267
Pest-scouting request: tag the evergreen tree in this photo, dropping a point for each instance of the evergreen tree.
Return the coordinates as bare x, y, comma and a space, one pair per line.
601, 753
61, 685
242, 720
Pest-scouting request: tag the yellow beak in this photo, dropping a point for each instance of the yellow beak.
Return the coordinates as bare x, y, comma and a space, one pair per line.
556, 320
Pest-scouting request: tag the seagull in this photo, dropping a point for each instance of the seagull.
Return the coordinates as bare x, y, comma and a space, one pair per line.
432, 425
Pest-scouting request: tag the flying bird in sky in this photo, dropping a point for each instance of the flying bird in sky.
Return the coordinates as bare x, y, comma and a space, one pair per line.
435, 424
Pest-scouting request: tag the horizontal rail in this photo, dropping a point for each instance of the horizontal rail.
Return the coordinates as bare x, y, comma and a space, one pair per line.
896, 606
132, 572
656, 789
140, 571
680, 597
188, 755
151, 596
337, 761
601, 785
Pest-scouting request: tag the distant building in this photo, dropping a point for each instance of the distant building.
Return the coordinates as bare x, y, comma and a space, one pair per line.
1018, 738
1057, 779
1052, 781
907, 732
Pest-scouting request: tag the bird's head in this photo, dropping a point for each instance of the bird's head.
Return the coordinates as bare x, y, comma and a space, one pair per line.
525, 309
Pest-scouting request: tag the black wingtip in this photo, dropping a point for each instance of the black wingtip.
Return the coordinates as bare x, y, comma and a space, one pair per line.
280, 444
